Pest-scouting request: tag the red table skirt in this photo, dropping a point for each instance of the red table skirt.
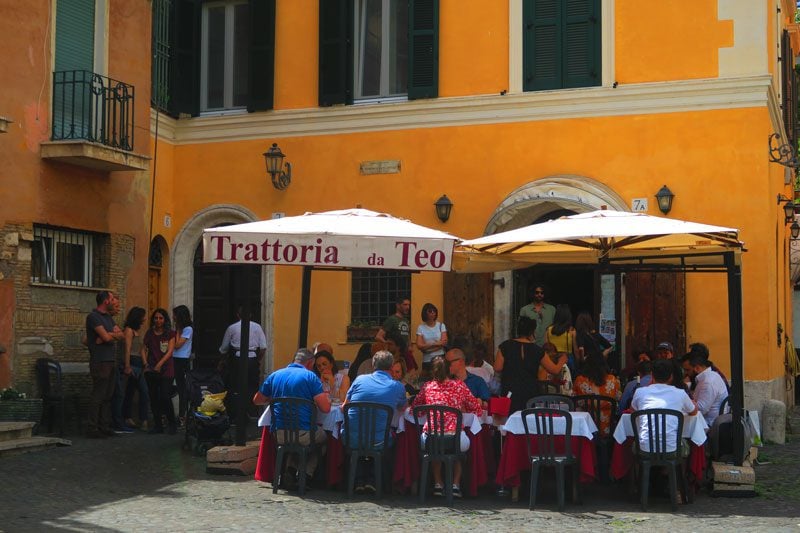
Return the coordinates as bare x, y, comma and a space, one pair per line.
515, 459
480, 458
622, 460
265, 467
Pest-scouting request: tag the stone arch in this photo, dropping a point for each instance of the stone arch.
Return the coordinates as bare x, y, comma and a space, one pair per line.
536, 198
182, 263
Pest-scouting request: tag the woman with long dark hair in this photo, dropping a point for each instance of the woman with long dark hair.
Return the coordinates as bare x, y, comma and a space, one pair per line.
134, 368
182, 355
595, 378
442, 390
335, 383
588, 340
157, 349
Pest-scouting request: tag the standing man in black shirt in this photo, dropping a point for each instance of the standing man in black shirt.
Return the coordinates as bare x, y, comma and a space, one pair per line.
101, 334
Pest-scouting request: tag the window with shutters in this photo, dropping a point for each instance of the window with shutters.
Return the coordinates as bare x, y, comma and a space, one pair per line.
561, 44
224, 62
373, 50
381, 49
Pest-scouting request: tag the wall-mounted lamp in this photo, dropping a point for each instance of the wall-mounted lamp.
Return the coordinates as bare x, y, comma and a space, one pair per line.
275, 167
783, 154
443, 207
664, 197
795, 230
789, 208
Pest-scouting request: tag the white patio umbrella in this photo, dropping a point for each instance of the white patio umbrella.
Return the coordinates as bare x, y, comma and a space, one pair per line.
348, 238
626, 241
595, 237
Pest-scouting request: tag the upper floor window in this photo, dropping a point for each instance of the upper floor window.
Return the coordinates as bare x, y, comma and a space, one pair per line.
372, 49
64, 257
381, 51
213, 56
561, 44
224, 39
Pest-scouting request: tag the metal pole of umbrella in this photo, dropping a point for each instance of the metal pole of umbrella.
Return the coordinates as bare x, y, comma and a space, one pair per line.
244, 353
305, 298
737, 370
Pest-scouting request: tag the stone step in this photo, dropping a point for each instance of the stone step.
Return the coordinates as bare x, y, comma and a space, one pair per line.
31, 444
15, 430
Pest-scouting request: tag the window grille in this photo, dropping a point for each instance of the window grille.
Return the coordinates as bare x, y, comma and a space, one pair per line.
64, 257
375, 293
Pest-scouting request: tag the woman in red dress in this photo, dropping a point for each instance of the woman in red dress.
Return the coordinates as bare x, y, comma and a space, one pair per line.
453, 393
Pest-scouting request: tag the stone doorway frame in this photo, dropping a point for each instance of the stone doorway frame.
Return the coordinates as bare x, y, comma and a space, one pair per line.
181, 267
528, 203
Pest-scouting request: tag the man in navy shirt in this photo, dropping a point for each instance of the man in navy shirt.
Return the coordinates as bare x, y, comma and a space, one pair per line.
456, 361
377, 387
296, 380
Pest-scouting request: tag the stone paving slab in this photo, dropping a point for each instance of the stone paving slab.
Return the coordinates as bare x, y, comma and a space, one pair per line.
146, 483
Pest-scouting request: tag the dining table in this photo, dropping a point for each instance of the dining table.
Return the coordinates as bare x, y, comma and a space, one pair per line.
694, 429
514, 456
329, 422
480, 456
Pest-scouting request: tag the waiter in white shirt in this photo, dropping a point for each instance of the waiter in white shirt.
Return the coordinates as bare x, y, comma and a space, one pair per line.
231, 342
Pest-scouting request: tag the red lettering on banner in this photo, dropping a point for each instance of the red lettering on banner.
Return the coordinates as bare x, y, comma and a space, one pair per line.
304, 249
251, 252
317, 257
405, 247
437, 258
220, 243
234, 247
290, 253
331, 255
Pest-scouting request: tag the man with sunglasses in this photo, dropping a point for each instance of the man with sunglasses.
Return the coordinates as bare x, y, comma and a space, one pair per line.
539, 311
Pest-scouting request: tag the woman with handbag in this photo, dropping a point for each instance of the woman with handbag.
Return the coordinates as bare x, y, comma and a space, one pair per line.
431, 336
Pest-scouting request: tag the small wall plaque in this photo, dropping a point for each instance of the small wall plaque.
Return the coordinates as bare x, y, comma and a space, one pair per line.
639, 205
391, 166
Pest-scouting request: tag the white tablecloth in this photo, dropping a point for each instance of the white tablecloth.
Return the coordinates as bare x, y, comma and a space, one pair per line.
694, 428
582, 425
329, 421
469, 421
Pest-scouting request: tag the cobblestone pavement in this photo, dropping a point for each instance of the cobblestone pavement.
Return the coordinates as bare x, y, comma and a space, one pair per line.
146, 483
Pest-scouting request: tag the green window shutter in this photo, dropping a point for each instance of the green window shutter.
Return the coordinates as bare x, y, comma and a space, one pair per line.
74, 35
336, 18
423, 44
262, 55
541, 50
184, 75
159, 83
581, 66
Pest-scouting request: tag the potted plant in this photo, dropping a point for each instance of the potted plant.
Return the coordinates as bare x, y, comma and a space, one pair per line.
16, 406
362, 331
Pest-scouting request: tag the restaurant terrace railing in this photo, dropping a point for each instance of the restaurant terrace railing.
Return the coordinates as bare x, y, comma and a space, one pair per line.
94, 108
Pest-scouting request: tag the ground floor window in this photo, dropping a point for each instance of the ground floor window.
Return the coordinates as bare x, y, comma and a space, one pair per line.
65, 257
374, 294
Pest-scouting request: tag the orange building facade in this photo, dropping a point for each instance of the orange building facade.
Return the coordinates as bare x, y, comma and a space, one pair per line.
518, 113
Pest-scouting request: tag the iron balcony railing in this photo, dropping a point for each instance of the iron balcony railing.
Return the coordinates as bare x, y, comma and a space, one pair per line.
92, 107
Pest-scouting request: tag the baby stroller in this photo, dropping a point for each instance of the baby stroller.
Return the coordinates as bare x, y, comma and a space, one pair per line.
204, 431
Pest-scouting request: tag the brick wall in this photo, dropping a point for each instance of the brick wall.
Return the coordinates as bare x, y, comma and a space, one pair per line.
56, 313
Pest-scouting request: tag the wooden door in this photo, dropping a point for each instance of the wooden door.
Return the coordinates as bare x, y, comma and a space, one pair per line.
655, 310
468, 307
153, 288
218, 290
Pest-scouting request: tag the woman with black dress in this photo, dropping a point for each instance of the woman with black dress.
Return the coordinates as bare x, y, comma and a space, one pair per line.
518, 359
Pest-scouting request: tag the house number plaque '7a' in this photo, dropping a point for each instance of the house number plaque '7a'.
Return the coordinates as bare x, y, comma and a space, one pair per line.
639, 205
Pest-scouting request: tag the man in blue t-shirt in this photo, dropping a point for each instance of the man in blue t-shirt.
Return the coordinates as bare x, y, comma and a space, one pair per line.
377, 387
296, 380
457, 367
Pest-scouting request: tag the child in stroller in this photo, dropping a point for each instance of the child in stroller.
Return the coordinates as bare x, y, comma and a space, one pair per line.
204, 427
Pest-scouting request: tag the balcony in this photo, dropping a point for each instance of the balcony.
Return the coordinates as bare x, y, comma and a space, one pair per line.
93, 123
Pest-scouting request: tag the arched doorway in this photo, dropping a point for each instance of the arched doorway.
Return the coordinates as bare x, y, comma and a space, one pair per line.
218, 291
183, 285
